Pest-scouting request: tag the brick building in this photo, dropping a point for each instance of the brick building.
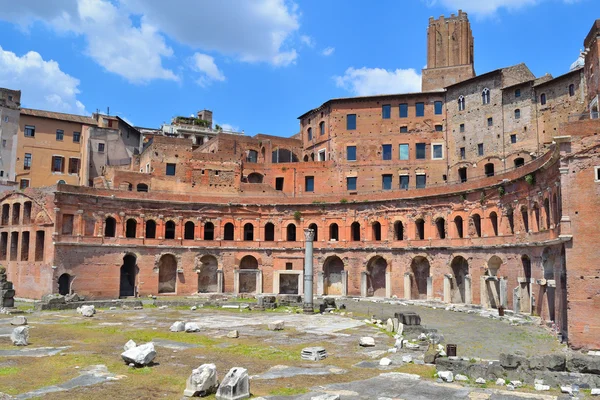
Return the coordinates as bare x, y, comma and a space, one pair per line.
481, 191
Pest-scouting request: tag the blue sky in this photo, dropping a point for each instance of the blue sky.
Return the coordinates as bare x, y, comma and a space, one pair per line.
257, 64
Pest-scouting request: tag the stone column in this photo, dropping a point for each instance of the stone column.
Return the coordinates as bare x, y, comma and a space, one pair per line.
430, 288
503, 293
236, 281
309, 236
141, 230
363, 284
259, 282
407, 284
220, 281
447, 288
468, 290
388, 284
344, 283
320, 283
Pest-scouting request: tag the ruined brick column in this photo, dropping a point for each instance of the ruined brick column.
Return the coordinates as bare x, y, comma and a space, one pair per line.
309, 236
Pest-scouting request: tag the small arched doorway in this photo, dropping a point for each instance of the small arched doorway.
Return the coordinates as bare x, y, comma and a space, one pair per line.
128, 276
376, 269
207, 275
420, 269
167, 274
460, 270
247, 274
64, 282
332, 271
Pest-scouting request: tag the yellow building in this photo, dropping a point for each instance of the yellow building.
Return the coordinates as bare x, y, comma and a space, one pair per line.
49, 148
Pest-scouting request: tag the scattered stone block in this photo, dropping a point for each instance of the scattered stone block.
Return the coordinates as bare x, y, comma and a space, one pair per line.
73, 298
233, 334
163, 307
384, 362
411, 346
595, 392
392, 350
18, 320
276, 325
326, 397
202, 382
446, 376
408, 318
460, 377
129, 345
53, 299
407, 359
540, 387
398, 343
389, 325
422, 336
193, 308
566, 389
480, 381
178, 326
140, 355
516, 383
313, 353
20, 336
191, 327
500, 382
366, 341
235, 385
112, 308
86, 310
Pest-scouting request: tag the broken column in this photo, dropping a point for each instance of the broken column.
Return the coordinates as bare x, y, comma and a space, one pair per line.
7, 293
407, 286
430, 288
309, 236
202, 382
468, 290
235, 385
503, 293
447, 288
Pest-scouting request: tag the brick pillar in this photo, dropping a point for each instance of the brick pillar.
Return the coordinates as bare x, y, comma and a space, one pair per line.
121, 231
141, 229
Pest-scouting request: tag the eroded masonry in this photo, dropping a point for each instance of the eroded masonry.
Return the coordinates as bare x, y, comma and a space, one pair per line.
484, 189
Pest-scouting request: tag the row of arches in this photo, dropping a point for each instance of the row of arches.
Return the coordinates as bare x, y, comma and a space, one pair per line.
14, 218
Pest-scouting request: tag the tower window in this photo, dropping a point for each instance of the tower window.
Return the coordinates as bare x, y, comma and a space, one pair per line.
513, 138
386, 111
490, 121
420, 109
571, 90
351, 122
518, 93
404, 110
437, 107
461, 103
462, 128
517, 113
543, 98
480, 149
404, 129
485, 96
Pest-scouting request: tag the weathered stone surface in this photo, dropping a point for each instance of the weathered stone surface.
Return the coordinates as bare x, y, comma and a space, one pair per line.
140, 355
513, 361
233, 334
313, 353
202, 382
480, 381
408, 318
595, 392
276, 325
460, 377
430, 355
540, 387
53, 299
326, 397
20, 336
192, 327
389, 325
86, 310
384, 362
407, 358
446, 376
235, 385
566, 389
551, 362
366, 341
500, 382
18, 320
178, 326
583, 363
129, 345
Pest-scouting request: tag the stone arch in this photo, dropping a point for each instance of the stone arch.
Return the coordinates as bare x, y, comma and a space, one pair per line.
493, 265
130, 228
489, 169
547, 212
255, 177
150, 229
228, 231
269, 232
189, 230
247, 280
334, 232
376, 276
398, 230
525, 217
167, 274
290, 231
209, 231
142, 187
64, 284
421, 270
170, 230
207, 267
110, 227
475, 225
5, 213
525, 287
549, 260
536, 217
376, 231
492, 286
460, 270
248, 232
355, 231
420, 229
333, 267
459, 226
494, 222
315, 228
128, 275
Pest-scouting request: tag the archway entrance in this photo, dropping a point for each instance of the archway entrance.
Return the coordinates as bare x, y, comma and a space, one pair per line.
332, 270
167, 274
64, 282
207, 275
460, 269
420, 270
248, 272
128, 275
376, 269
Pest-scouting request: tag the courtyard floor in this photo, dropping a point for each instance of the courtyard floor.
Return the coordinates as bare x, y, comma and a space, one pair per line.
70, 356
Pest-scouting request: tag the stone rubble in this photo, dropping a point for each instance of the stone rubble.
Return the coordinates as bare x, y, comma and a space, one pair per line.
202, 382
178, 326
18, 320
191, 327
87, 310
276, 325
313, 353
480, 381
20, 336
233, 334
235, 385
460, 377
366, 341
446, 376
129, 345
384, 362
140, 355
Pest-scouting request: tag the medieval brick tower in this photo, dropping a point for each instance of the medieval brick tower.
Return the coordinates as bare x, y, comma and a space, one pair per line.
449, 51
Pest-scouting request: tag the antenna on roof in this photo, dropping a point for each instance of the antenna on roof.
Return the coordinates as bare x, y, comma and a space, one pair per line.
107, 110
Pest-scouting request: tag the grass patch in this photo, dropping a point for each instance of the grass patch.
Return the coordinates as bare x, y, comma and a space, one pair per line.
287, 391
424, 371
4, 371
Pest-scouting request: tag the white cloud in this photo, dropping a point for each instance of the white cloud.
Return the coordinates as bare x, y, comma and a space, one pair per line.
227, 127
251, 31
486, 7
369, 81
307, 41
205, 64
328, 51
42, 83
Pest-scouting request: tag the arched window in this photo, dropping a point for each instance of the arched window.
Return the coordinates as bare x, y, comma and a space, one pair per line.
420, 229
461, 103
489, 169
543, 98
462, 174
571, 90
249, 232
64, 281
440, 224
517, 113
494, 221
476, 218
355, 231
305, 158
510, 216
291, 233
110, 227
485, 96
142, 187
376, 227
252, 156
458, 223
228, 231
150, 229
188, 230
547, 212
334, 232
309, 133
255, 177
269, 232
525, 218
519, 162
322, 128
398, 230
130, 228
170, 230
129, 187
315, 228
209, 231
